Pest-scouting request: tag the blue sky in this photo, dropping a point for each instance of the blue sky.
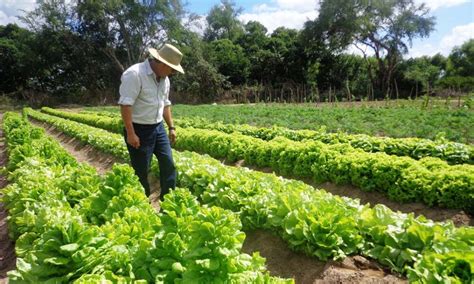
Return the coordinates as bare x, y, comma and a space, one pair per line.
455, 18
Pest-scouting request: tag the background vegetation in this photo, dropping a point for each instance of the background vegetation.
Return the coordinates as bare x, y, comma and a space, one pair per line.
396, 119
75, 52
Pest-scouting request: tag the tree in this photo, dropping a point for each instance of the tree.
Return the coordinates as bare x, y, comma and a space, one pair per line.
15, 58
420, 70
253, 41
461, 60
86, 44
385, 27
113, 27
201, 81
230, 60
460, 68
223, 22
128, 26
288, 55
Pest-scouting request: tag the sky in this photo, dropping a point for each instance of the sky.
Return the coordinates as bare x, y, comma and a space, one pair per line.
454, 18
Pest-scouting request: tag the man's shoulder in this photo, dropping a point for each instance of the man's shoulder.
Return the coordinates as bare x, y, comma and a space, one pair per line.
136, 68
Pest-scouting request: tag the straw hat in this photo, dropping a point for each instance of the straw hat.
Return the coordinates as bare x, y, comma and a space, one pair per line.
169, 55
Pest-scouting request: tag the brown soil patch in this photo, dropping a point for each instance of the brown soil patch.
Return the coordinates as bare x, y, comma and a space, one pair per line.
283, 262
84, 153
7, 246
459, 217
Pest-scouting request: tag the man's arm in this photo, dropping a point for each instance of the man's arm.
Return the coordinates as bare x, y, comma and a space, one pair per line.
169, 121
132, 138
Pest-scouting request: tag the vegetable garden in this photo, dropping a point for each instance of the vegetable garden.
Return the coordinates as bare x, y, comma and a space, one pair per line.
72, 224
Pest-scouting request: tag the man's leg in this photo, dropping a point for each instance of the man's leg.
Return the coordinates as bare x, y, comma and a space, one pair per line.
165, 161
140, 158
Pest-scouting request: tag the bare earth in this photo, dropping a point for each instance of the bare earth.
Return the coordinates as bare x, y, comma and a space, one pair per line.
83, 153
283, 262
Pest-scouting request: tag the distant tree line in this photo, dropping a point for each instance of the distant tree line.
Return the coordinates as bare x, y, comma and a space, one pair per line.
75, 51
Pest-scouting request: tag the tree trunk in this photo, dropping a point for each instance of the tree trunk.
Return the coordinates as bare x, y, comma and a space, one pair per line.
349, 95
396, 87
416, 90
110, 53
330, 94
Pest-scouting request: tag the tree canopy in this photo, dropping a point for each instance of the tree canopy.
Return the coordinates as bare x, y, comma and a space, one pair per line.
77, 50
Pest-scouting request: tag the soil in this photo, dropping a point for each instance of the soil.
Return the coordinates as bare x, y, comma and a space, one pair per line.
285, 263
101, 161
7, 246
83, 152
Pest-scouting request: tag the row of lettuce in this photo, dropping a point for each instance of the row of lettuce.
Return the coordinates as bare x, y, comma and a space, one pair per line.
429, 180
72, 225
417, 148
310, 220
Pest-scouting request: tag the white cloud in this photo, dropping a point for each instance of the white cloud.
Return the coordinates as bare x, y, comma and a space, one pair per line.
457, 37
5, 19
436, 4
10, 9
286, 18
297, 5
282, 13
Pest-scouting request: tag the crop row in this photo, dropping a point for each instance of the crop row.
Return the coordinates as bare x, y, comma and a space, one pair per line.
417, 148
429, 180
315, 221
70, 224
394, 121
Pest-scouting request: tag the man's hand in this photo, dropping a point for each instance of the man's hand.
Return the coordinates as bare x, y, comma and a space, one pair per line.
133, 140
172, 136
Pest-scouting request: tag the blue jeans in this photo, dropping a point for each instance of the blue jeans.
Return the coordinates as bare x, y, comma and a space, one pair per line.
153, 140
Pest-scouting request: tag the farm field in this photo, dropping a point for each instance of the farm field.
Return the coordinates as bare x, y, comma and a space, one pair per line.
394, 119
334, 147
313, 224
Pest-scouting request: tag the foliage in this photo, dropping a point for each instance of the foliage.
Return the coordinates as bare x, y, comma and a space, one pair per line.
229, 60
75, 52
405, 119
460, 68
310, 220
452, 152
428, 180
386, 27
129, 242
223, 23
461, 60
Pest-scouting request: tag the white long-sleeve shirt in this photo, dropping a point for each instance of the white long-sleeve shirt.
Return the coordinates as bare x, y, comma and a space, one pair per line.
147, 96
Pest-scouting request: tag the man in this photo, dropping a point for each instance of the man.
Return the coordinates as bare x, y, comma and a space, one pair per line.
144, 103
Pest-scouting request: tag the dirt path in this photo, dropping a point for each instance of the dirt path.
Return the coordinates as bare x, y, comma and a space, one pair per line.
86, 153
283, 262
83, 152
7, 246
